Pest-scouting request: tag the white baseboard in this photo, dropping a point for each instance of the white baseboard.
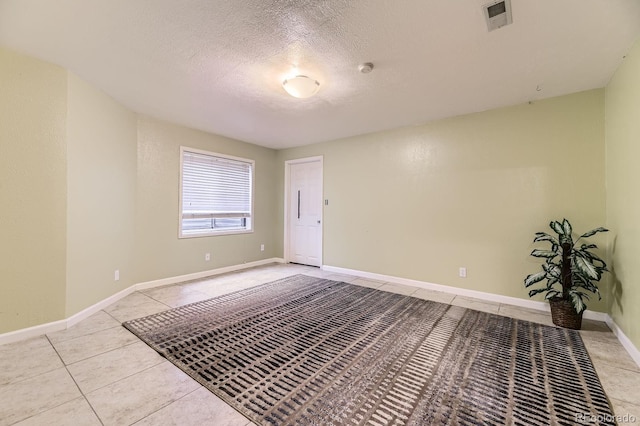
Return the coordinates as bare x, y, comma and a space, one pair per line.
198, 275
39, 330
626, 343
515, 301
35, 331
87, 312
490, 297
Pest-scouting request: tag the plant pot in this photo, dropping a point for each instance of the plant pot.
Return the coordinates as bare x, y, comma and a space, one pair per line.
563, 314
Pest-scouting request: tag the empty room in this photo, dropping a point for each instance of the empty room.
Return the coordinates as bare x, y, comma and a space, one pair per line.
319, 212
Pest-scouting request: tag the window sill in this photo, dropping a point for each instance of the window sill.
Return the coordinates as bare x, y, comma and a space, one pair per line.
214, 233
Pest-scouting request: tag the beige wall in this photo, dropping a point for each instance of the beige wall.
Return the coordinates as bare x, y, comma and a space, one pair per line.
471, 191
623, 192
159, 252
101, 190
87, 188
32, 191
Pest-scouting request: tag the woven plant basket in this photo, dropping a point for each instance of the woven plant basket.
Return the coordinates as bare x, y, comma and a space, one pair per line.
563, 314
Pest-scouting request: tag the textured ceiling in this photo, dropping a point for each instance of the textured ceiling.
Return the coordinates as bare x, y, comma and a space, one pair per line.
217, 65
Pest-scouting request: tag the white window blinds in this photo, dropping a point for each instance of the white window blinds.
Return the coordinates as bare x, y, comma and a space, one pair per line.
216, 193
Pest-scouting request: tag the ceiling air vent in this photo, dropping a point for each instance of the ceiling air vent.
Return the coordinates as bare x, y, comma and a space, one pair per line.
497, 14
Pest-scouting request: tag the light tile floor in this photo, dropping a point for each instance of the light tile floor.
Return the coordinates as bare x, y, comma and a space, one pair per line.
97, 373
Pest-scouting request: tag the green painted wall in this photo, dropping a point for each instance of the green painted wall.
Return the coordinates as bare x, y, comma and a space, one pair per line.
420, 202
623, 193
33, 191
101, 191
88, 187
159, 252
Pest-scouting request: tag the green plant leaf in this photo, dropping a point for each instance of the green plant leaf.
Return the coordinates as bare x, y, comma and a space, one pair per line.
534, 278
576, 299
592, 257
586, 247
537, 291
593, 232
543, 236
553, 274
551, 267
557, 226
552, 294
566, 227
585, 266
579, 293
544, 253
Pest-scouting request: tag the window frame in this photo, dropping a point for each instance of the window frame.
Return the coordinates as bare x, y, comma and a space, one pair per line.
212, 232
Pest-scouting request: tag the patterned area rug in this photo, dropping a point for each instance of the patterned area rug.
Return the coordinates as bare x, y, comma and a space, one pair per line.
309, 351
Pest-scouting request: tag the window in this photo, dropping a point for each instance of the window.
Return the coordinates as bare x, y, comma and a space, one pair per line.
216, 194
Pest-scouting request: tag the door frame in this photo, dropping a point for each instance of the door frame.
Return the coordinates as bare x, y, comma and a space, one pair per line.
287, 213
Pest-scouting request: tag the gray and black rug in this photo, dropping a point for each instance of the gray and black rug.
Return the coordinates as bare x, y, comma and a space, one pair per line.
310, 351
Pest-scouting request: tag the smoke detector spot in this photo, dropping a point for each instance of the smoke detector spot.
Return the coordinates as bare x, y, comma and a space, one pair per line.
497, 14
365, 68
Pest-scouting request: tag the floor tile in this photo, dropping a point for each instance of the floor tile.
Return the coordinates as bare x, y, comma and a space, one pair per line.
218, 288
306, 270
25, 359
367, 283
84, 347
96, 322
626, 413
37, 394
436, 296
608, 350
337, 277
398, 288
200, 407
176, 295
455, 312
109, 367
593, 326
131, 399
525, 314
619, 383
476, 304
316, 272
135, 305
72, 413
209, 282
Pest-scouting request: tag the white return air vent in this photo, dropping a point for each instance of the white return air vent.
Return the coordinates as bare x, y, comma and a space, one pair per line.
497, 14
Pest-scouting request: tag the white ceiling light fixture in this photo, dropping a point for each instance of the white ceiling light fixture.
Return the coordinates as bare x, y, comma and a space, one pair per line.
301, 86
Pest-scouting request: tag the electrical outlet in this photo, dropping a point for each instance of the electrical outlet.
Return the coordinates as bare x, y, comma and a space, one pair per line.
207, 257
116, 275
462, 272
261, 247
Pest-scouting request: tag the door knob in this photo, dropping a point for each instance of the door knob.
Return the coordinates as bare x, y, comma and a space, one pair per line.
318, 222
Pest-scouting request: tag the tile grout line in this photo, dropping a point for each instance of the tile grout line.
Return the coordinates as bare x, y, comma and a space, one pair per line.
75, 382
154, 299
114, 318
165, 405
163, 360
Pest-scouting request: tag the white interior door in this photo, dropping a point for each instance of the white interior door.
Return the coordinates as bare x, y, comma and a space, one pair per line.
305, 213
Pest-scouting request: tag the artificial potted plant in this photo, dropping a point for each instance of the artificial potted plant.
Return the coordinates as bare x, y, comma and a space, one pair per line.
570, 268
